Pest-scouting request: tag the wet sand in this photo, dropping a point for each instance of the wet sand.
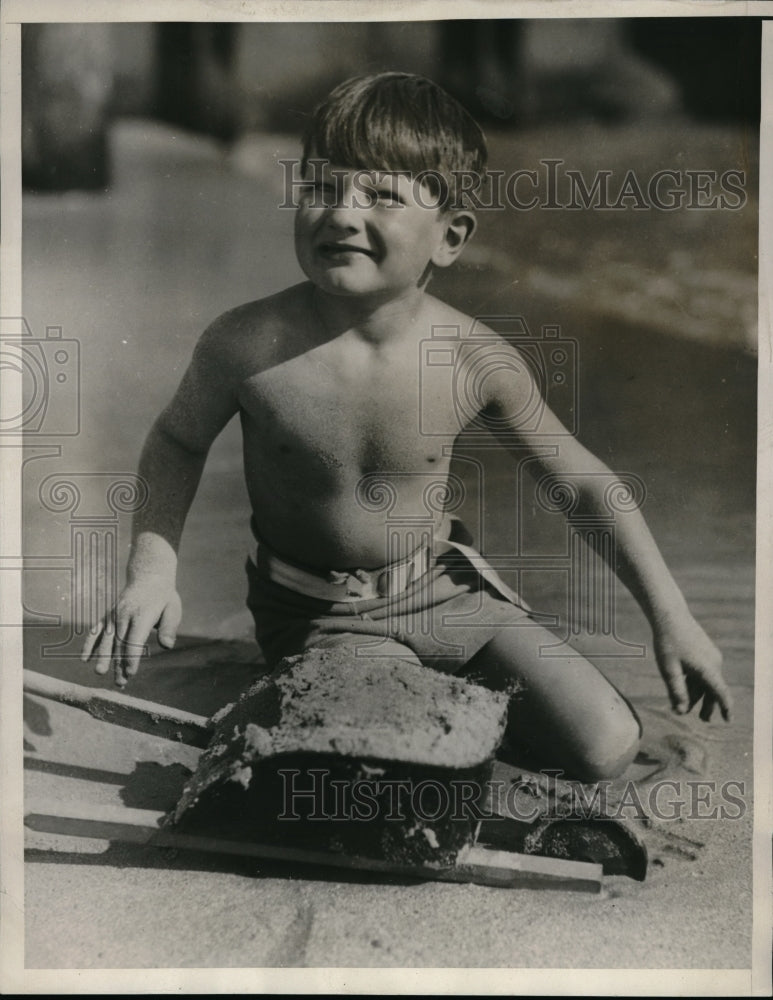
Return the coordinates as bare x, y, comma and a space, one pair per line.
135, 275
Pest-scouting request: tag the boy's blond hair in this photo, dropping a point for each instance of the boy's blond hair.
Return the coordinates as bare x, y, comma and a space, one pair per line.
398, 122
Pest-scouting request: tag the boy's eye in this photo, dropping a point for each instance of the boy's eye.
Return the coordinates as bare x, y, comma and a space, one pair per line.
388, 196
318, 194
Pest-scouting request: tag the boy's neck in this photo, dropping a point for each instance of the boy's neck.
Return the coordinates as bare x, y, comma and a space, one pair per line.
375, 321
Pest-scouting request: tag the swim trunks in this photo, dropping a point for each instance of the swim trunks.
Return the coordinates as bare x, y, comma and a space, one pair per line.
438, 608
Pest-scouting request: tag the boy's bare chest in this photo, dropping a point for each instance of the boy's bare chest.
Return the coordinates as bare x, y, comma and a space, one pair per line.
369, 415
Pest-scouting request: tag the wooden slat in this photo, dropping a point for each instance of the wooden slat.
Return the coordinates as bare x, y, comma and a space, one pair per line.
510, 870
474, 864
122, 709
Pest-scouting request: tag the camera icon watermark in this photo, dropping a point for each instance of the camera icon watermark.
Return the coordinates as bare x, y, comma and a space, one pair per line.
83, 576
49, 372
545, 366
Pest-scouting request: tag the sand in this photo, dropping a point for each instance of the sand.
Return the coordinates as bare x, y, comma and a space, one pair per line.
143, 908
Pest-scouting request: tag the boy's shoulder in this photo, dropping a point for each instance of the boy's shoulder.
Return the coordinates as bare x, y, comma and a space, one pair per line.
253, 332
481, 355
260, 316
458, 328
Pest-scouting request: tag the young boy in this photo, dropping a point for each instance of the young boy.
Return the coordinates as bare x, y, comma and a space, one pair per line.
353, 547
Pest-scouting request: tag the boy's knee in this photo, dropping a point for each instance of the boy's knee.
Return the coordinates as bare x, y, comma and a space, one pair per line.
611, 751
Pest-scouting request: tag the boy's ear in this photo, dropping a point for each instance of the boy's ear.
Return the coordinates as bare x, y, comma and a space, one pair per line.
459, 227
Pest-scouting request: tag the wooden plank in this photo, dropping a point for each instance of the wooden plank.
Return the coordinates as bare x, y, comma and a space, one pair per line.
509, 870
474, 864
122, 709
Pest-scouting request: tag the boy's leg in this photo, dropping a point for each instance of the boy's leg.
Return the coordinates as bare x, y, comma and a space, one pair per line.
565, 714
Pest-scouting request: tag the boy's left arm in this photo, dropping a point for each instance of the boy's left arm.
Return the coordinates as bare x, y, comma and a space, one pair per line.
689, 662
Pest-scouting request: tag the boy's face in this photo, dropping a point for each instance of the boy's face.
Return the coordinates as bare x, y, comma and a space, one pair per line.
372, 234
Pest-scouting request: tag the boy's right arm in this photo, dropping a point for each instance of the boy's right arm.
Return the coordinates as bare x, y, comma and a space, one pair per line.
171, 464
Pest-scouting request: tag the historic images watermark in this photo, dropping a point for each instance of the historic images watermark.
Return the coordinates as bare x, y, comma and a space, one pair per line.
34, 420
314, 794
48, 370
550, 185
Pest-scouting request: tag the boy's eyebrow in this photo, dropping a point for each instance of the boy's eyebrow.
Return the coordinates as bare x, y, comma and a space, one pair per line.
388, 176
332, 175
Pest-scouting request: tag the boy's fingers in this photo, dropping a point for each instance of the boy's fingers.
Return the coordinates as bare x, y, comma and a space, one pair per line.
104, 648
724, 698
133, 647
169, 622
676, 683
90, 641
122, 626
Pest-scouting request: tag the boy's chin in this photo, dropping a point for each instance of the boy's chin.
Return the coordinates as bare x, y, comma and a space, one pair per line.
345, 287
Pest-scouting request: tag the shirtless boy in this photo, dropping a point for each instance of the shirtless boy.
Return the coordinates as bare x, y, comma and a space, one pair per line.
326, 379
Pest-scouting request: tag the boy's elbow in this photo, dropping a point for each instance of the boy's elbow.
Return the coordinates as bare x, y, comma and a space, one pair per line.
170, 437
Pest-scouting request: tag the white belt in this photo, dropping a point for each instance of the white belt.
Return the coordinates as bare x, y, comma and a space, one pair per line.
367, 585
355, 585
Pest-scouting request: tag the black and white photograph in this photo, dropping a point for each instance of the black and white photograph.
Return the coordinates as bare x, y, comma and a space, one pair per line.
385, 441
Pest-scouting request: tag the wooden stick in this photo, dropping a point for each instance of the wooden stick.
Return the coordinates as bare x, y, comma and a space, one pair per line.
122, 709
474, 864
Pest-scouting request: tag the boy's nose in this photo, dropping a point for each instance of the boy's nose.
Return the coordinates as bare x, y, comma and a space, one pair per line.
344, 214
347, 197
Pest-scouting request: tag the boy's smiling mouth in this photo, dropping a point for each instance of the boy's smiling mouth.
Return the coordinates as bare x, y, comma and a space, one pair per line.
336, 251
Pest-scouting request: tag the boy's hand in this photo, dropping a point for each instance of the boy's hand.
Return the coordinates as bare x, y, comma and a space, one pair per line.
691, 666
120, 638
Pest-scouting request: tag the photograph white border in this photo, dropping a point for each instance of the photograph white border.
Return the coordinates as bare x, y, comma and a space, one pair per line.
635, 982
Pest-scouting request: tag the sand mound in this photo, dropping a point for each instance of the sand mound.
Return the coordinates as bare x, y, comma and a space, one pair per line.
352, 719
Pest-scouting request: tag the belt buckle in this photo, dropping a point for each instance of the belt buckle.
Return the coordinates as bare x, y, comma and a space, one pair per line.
391, 581
359, 584
397, 579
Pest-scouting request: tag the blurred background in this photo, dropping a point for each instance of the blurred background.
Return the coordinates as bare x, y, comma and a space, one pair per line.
152, 186
226, 80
